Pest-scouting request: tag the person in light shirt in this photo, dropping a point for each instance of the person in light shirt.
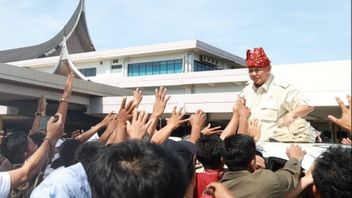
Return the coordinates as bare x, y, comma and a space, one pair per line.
272, 101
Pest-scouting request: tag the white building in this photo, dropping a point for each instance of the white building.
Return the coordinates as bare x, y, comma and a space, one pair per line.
197, 76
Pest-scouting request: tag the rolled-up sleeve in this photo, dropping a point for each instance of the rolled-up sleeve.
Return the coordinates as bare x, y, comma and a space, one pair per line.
295, 98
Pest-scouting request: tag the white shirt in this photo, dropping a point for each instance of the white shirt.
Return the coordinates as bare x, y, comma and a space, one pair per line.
71, 181
270, 102
5, 184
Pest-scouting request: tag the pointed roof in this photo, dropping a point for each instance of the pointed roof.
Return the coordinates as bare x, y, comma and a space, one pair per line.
76, 32
65, 66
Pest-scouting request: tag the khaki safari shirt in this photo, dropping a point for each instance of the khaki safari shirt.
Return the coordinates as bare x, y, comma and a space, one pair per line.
263, 183
269, 102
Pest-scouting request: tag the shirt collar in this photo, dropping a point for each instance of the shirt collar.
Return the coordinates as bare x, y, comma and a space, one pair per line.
264, 86
228, 175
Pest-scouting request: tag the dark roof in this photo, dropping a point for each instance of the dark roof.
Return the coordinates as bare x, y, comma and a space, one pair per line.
75, 31
65, 66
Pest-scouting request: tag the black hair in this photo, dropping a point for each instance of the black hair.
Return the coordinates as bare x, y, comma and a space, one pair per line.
38, 138
67, 151
209, 151
14, 147
137, 169
239, 151
88, 152
332, 172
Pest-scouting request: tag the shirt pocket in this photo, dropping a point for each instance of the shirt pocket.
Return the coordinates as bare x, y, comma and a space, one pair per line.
269, 111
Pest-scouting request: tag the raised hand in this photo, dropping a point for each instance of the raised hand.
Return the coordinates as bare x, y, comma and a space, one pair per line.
176, 118
173, 122
125, 111
208, 130
254, 129
345, 120
197, 119
137, 97
240, 102
54, 128
160, 102
346, 141
106, 120
139, 125
295, 151
68, 86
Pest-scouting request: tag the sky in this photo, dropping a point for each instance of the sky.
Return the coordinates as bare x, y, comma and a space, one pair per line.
290, 31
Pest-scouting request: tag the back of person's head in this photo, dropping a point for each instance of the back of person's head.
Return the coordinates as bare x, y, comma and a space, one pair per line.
67, 151
14, 147
136, 169
187, 152
239, 151
38, 138
88, 152
332, 173
209, 151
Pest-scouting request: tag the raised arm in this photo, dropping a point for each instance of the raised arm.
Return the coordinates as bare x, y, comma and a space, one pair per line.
62, 109
345, 120
35, 161
303, 183
109, 130
172, 123
288, 176
243, 121
139, 125
41, 110
158, 109
197, 121
125, 112
232, 126
83, 137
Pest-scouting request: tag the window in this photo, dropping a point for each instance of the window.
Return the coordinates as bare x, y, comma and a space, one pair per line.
116, 67
89, 71
155, 68
201, 66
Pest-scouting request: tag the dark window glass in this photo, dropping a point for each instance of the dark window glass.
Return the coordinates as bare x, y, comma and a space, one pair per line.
89, 71
155, 68
116, 66
201, 66
149, 69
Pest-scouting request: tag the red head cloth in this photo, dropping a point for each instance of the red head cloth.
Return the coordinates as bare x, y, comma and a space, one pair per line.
257, 58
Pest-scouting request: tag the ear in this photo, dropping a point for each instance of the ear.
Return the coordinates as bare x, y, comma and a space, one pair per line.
315, 191
252, 165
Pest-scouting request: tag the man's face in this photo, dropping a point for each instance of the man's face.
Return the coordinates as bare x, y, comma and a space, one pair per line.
259, 74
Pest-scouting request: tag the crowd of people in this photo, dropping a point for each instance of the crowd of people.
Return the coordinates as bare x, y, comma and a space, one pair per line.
135, 158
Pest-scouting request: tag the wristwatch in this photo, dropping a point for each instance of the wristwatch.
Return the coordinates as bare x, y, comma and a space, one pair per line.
38, 114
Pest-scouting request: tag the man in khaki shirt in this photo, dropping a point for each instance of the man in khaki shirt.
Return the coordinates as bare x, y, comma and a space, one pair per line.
242, 178
271, 101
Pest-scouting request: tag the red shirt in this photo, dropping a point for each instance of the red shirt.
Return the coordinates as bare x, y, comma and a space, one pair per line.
204, 178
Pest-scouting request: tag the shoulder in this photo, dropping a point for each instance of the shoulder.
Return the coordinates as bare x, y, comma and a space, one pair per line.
248, 87
280, 83
71, 181
5, 184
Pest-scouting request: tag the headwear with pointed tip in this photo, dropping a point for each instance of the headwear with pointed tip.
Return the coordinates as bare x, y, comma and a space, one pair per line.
257, 58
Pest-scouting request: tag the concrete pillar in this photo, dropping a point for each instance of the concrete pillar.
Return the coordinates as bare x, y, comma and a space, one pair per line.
1, 124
